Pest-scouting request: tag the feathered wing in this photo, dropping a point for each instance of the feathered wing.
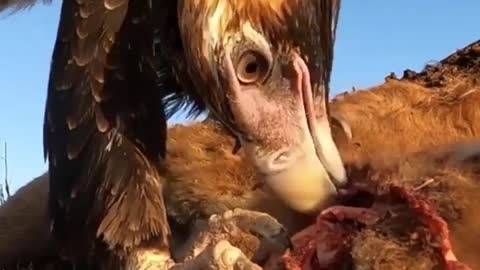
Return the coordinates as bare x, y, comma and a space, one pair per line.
105, 127
16, 5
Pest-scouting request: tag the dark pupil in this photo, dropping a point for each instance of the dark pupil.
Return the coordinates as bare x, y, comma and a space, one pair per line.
251, 67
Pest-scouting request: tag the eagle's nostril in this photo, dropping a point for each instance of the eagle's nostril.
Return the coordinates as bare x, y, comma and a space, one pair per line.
280, 160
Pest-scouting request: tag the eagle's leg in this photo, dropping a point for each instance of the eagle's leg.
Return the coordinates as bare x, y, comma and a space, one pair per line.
221, 256
256, 234
234, 239
270, 236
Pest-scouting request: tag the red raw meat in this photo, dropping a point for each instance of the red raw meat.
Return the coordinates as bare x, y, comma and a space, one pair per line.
327, 244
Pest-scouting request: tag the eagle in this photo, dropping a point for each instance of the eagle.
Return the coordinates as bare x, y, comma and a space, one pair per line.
121, 68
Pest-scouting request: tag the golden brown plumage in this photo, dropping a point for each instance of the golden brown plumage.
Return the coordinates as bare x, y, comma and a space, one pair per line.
104, 130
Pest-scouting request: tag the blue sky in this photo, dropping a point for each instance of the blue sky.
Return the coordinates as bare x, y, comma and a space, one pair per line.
375, 37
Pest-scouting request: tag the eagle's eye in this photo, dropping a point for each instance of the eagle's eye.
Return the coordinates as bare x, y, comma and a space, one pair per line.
252, 67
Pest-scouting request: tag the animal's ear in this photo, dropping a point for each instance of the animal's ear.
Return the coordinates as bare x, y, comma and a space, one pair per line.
337, 119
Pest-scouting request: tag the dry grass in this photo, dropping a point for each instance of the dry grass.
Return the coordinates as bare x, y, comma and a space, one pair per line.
5, 187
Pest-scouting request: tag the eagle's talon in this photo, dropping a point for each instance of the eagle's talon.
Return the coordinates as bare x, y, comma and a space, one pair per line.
239, 223
219, 256
225, 254
214, 219
230, 257
258, 223
228, 214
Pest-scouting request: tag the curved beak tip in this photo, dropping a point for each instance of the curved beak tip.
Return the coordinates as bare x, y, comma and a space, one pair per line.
340, 179
304, 188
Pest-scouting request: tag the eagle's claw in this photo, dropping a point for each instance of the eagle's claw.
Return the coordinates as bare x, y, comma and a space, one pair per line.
240, 224
221, 256
230, 257
236, 239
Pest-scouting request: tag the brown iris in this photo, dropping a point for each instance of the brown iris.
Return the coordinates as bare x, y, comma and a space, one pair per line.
252, 67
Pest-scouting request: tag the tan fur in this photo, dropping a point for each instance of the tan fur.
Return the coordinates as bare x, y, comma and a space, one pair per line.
405, 117
403, 131
436, 106
451, 184
24, 225
205, 178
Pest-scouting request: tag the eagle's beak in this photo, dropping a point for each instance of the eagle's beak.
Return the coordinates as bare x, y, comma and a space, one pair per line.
291, 142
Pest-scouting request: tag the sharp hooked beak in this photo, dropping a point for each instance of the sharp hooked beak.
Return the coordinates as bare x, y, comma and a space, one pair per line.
306, 171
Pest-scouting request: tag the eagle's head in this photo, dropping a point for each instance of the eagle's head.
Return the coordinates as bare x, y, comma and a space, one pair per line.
266, 66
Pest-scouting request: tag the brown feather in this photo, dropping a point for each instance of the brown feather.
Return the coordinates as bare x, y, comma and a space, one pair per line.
104, 128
